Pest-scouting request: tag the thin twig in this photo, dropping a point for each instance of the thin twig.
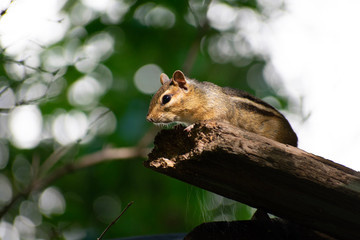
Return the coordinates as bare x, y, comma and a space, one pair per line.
3, 12
4, 89
113, 222
22, 63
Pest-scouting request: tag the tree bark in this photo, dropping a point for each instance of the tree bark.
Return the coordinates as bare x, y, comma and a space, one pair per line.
280, 179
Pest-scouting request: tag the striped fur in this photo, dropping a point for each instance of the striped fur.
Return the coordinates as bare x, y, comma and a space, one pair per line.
196, 101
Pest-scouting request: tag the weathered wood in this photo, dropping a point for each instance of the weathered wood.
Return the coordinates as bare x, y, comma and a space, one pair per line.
281, 179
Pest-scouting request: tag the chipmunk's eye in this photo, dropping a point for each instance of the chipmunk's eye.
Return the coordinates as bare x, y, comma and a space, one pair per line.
166, 99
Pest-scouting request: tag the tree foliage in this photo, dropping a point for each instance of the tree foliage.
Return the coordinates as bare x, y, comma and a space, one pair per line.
91, 89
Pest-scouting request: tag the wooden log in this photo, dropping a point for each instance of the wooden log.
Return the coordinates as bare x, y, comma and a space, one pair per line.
280, 179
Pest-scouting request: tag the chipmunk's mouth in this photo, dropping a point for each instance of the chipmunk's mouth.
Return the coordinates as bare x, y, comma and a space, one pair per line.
158, 121
162, 119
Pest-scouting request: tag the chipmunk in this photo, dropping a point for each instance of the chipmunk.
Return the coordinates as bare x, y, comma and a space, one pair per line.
188, 101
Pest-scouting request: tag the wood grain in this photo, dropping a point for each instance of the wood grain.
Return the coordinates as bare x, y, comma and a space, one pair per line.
283, 180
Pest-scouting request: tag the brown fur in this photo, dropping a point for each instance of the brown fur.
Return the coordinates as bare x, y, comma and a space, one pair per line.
196, 101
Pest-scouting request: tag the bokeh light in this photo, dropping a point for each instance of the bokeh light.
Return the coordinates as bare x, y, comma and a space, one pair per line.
100, 46
74, 233
25, 124
69, 127
8, 231
51, 202
4, 126
16, 71
151, 14
25, 227
241, 37
97, 48
85, 92
147, 78
5, 189
7, 98
54, 58
43, 27
32, 91
22, 170
81, 15
221, 15
112, 10
30, 210
102, 120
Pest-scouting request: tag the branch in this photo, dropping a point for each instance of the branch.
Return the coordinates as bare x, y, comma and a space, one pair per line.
280, 179
108, 154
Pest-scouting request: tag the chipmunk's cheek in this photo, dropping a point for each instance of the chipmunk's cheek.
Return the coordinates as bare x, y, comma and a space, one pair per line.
176, 118
169, 117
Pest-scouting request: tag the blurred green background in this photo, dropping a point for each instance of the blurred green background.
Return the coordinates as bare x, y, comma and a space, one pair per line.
89, 91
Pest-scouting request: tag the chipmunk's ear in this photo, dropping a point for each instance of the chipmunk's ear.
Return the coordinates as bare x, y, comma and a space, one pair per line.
164, 78
180, 79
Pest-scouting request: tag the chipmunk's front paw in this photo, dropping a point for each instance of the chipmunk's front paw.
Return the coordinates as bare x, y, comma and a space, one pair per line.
188, 128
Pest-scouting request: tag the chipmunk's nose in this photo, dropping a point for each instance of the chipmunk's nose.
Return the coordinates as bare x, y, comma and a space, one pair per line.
149, 118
